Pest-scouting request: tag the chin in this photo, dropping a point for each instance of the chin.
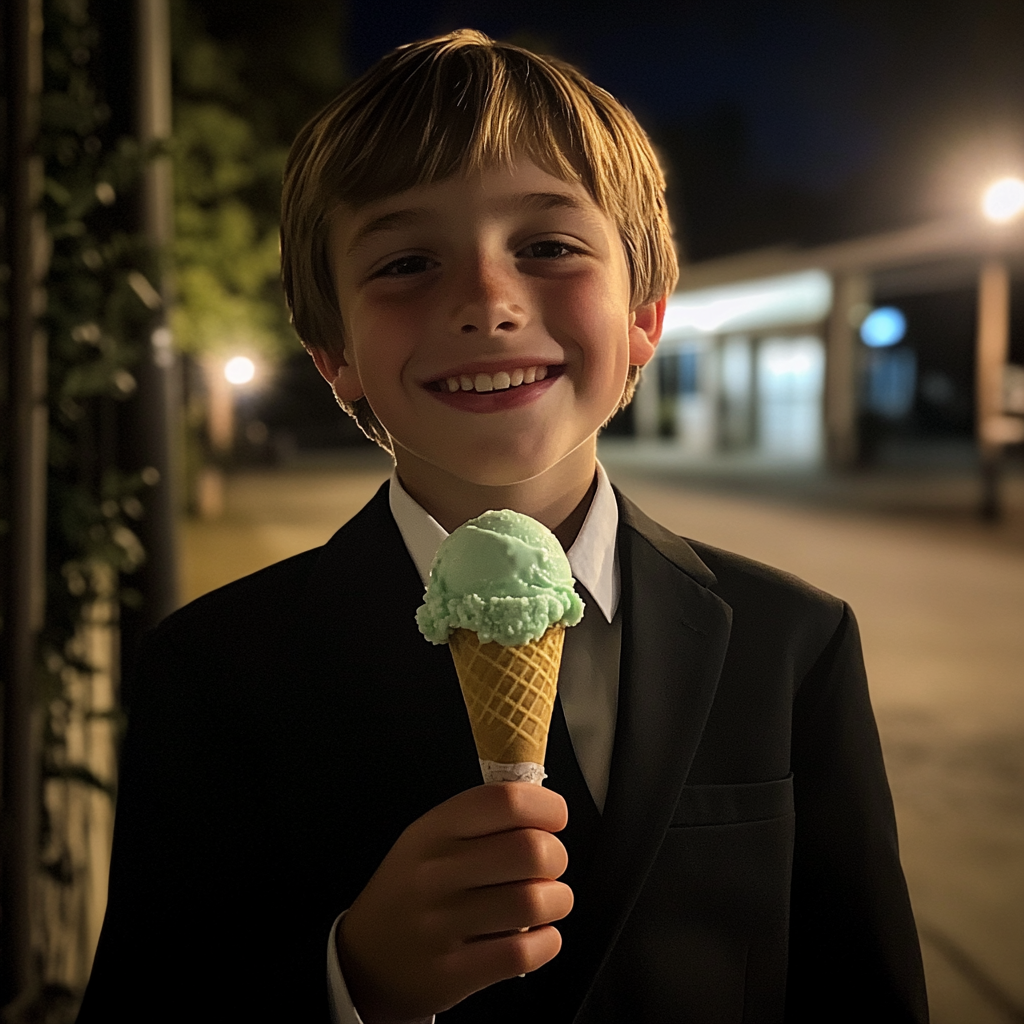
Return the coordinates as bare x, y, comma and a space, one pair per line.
504, 465
491, 474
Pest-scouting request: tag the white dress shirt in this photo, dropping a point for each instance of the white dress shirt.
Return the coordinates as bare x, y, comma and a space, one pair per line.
588, 681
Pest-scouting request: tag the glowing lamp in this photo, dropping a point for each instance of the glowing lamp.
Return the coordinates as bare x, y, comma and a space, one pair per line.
883, 327
1003, 200
239, 370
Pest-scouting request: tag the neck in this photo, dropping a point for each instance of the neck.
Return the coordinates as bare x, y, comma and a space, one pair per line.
559, 498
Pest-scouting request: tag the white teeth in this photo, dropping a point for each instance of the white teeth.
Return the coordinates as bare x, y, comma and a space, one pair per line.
500, 381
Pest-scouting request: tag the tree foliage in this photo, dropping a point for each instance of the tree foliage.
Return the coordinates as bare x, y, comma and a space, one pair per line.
94, 321
234, 115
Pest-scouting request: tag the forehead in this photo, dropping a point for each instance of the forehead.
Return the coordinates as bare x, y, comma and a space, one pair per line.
499, 191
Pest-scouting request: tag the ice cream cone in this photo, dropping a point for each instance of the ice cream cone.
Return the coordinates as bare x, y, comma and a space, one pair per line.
510, 694
501, 594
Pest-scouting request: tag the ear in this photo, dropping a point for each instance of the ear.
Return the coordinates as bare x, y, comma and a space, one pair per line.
645, 331
342, 376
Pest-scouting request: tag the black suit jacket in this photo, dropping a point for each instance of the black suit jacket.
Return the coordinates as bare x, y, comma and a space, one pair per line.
285, 729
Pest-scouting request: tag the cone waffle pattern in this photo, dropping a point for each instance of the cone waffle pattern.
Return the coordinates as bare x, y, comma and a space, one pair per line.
509, 693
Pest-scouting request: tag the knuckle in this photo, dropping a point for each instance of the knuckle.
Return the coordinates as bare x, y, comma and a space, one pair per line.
522, 954
543, 853
534, 903
513, 799
543, 902
534, 949
533, 847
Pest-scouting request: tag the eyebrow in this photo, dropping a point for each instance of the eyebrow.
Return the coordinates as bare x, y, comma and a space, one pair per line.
397, 219
387, 222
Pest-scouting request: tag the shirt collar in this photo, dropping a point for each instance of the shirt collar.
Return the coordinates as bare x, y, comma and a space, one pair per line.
592, 557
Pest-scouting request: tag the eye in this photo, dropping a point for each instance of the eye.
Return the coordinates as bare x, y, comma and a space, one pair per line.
549, 249
405, 266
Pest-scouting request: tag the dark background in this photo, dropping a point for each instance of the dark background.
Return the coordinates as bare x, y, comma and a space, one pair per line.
784, 121
788, 122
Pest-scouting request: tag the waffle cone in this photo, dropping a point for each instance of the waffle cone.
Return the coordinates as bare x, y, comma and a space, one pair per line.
509, 693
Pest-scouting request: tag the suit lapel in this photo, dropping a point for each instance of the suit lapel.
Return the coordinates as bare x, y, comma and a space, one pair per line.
675, 635
376, 725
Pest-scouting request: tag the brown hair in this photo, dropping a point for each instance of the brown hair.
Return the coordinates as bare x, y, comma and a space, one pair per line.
448, 105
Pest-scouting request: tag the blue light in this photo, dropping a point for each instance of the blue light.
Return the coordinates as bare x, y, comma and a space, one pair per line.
883, 327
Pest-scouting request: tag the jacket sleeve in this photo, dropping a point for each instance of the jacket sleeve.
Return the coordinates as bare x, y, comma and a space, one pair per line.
192, 931
853, 949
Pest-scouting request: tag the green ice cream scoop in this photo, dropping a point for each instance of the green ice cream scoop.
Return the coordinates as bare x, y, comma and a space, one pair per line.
502, 575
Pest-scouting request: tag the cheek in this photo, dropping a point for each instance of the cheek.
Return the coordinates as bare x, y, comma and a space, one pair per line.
594, 318
382, 340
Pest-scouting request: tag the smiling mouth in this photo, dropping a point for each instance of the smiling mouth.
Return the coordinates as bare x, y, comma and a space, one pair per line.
483, 383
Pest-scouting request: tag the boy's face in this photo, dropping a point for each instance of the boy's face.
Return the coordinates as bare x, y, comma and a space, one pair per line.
456, 295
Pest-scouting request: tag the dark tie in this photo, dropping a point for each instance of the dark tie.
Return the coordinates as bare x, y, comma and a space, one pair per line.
554, 992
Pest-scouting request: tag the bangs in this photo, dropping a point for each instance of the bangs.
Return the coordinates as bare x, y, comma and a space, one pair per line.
453, 109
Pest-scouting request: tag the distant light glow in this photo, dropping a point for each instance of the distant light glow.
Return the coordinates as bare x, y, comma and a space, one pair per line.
883, 327
239, 370
1004, 200
751, 305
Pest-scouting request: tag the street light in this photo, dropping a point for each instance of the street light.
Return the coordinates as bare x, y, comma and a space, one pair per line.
239, 370
1003, 200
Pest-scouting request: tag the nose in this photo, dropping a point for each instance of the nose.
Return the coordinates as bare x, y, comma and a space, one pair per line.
489, 300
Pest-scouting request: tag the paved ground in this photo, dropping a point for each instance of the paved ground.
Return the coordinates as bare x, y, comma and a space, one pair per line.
940, 600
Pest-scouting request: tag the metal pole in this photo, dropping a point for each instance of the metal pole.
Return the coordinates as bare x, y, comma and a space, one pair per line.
152, 416
992, 348
25, 427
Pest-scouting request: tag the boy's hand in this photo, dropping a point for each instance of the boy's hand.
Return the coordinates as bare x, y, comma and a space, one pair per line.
441, 916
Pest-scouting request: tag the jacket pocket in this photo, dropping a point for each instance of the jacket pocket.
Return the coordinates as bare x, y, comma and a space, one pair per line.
707, 940
733, 804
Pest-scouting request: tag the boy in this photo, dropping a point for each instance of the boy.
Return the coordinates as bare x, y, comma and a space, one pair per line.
477, 253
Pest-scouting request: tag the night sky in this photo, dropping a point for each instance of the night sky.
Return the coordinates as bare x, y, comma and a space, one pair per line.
796, 121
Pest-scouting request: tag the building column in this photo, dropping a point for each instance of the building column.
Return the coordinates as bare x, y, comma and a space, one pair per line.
993, 343
646, 402
850, 302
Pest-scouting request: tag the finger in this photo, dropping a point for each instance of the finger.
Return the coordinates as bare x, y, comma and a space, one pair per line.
498, 807
502, 806
502, 857
506, 956
485, 913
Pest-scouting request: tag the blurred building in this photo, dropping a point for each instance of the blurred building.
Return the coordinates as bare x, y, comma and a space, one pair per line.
831, 354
